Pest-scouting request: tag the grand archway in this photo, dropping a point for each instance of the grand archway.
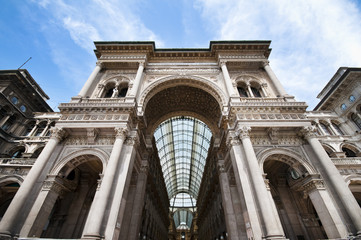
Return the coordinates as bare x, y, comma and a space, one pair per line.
182, 122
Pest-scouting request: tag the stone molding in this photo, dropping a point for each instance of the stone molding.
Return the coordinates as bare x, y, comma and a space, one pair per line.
309, 132
121, 132
309, 184
58, 133
244, 132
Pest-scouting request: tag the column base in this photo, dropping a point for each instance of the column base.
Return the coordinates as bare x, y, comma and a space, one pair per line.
7, 236
92, 236
275, 237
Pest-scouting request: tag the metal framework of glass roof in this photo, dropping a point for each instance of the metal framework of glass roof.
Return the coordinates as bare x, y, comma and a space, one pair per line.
182, 144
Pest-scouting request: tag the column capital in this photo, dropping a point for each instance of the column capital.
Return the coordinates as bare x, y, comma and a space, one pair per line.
221, 167
243, 132
265, 63
100, 64
58, 133
309, 132
233, 140
142, 63
309, 184
144, 168
222, 62
132, 140
121, 132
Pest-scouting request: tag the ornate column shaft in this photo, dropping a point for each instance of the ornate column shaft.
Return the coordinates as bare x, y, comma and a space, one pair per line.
279, 88
124, 173
314, 187
96, 214
320, 128
227, 79
271, 220
335, 179
250, 90
227, 203
137, 80
334, 131
263, 88
253, 224
137, 211
9, 223
43, 206
34, 128
90, 80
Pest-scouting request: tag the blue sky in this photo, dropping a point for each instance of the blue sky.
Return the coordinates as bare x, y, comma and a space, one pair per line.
310, 39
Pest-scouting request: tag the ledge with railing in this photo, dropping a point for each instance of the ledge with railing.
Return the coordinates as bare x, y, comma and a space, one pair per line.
350, 161
17, 161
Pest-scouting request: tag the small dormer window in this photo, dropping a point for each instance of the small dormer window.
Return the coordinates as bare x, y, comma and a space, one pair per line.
352, 98
22, 108
14, 100
343, 106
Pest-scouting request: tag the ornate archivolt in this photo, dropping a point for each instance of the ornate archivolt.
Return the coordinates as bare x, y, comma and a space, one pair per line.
284, 155
353, 179
117, 79
75, 159
248, 79
191, 81
15, 178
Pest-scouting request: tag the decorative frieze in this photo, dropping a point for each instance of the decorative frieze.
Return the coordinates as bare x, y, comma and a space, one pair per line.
182, 71
94, 117
83, 140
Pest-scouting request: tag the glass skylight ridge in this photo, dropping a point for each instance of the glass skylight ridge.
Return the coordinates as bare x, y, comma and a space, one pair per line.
182, 144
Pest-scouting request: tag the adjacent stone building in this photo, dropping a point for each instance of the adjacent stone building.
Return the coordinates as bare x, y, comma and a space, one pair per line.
181, 144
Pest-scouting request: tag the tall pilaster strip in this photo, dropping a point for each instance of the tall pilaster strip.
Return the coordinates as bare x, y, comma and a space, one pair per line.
227, 79
271, 222
96, 214
9, 223
91, 79
227, 203
137, 80
135, 221
281, 91
334, 177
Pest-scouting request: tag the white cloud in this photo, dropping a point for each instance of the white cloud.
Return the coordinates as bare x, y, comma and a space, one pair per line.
94, 20
310, 39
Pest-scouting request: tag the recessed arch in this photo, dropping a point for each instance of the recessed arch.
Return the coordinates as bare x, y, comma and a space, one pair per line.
284, 155
172, 81
76, 160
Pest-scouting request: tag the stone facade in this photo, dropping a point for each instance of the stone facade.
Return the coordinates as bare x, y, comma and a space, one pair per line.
273, 170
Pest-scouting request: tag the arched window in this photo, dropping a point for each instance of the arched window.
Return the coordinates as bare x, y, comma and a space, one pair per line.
29, 128
123, 92
337, 128
356, 120
325, 129
9, 123
348, 152
37, 152
256, 92
109, 93
18, 153
40, 128
242, 92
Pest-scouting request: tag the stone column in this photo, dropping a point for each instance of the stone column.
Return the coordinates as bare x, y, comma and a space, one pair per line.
253, 224
9, 223
319, 127
263, 87
124, 173
34, 128
90, 80
42, 208
97, 210
250, 90
273, 230
333, 176
334, 131
279, 88
137, 212
137, 81
45, 129
314, 187
229, 215
227, 79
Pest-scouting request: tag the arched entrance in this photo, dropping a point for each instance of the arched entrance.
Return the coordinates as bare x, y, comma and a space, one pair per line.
68, 195
9, 187
298, 216
183, 122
